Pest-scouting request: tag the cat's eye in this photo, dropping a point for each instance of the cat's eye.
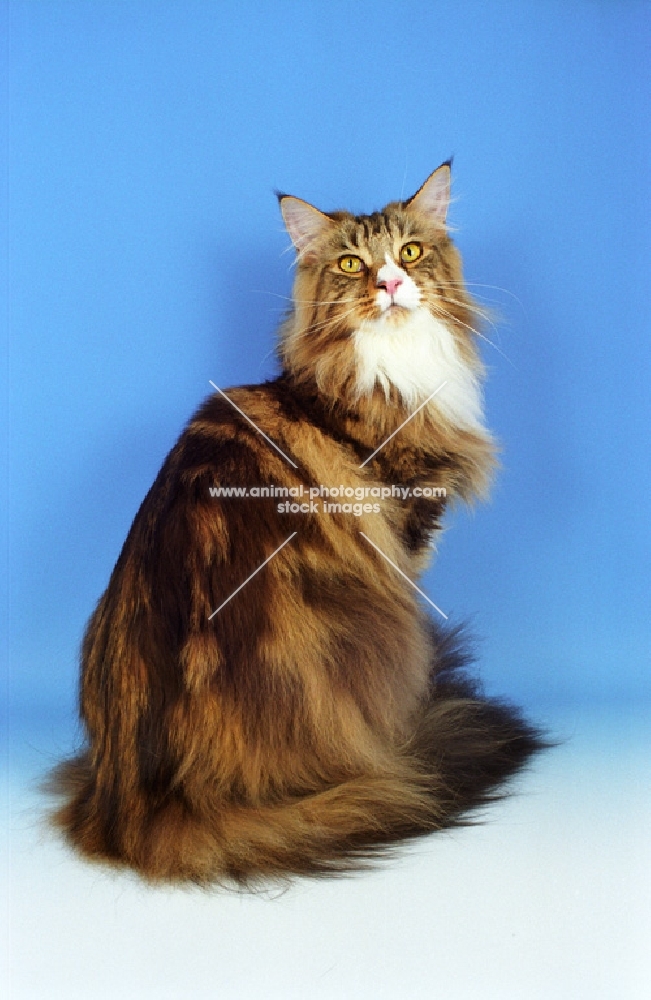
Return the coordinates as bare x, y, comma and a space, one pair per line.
411, 252
351, 265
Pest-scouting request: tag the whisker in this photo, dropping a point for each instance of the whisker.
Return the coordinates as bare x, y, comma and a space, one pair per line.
476, 332
267, 355
485, 314
303, 302
471, 306
332, 321
495, 288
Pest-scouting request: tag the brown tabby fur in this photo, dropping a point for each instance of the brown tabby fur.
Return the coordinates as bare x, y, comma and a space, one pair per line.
321, 714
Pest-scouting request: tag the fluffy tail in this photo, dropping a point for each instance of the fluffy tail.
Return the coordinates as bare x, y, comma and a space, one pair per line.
463, 751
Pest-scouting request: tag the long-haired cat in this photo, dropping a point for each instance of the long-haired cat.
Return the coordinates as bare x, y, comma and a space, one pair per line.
263, 691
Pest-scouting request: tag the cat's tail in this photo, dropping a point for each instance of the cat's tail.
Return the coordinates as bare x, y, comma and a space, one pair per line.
461, 754
330, 831
459, 760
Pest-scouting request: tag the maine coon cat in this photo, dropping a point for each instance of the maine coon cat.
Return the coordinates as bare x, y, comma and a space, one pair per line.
263, 691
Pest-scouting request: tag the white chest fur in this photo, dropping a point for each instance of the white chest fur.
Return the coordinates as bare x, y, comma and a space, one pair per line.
417, 356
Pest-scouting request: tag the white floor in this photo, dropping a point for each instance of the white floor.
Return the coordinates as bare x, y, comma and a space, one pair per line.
551, 898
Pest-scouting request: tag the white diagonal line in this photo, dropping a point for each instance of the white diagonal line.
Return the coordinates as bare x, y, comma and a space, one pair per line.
261, 566
397, 568
410, 417
273, 445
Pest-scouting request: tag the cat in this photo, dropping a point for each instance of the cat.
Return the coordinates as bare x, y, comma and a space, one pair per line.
262, 690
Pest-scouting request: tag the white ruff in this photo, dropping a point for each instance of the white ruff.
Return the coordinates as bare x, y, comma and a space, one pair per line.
416, 356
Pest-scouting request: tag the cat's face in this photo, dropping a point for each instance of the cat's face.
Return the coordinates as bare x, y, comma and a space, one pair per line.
382, 265
379, 300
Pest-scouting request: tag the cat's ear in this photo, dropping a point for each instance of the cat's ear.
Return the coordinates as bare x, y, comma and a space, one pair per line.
305, 224
433, 198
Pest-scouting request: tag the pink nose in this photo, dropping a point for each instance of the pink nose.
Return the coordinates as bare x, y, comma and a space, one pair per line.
390, 286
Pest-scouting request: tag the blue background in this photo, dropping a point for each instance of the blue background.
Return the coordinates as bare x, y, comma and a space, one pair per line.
146, 257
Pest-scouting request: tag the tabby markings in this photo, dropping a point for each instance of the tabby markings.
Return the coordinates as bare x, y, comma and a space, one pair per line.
386, 440
404, 575
272, 443
261, 566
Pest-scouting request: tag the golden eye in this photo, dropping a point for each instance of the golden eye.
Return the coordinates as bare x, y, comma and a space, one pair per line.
411, 252
351, 265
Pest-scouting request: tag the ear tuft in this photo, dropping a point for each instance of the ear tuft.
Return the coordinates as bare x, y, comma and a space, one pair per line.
433, 198
305, 224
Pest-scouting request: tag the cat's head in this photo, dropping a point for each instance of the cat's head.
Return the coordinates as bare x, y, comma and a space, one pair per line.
380, 305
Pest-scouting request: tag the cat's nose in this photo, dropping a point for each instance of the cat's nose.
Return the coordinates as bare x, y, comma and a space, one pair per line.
390, 285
